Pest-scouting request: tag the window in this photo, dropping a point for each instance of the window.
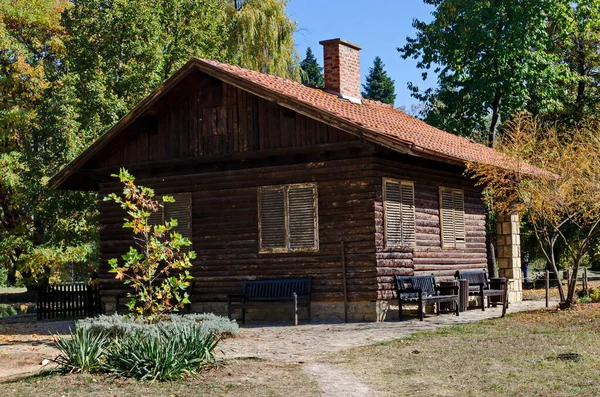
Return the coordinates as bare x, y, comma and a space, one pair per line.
181, 210
452, 217
399, 213
288, 218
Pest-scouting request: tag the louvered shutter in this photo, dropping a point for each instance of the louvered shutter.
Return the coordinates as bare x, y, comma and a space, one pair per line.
272, 219
302, 209
393, 213
447, 217
459, 217
408, 213
399, 212
452, 217
156, 218
181, 210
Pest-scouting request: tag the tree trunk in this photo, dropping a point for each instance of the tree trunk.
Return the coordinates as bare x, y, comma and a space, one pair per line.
495, 118
491, 254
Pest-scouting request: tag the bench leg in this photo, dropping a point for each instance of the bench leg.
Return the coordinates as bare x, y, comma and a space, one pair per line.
482, 300
308, 310
437, 308
456, 306
421, 314
295, 309
399, 310
243, 316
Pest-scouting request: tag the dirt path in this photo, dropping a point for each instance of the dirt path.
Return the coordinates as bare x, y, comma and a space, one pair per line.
308, 342
25, 344
335, 382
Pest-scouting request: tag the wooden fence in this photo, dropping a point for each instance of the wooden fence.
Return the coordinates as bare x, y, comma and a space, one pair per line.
68, 301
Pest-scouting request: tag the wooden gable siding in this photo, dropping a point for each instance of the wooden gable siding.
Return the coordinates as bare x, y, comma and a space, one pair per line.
214, 118
225, 229
427, 256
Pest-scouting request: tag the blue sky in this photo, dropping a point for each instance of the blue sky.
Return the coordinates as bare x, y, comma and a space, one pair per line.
378, 26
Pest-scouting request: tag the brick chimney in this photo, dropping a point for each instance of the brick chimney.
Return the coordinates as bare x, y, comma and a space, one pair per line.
342, 68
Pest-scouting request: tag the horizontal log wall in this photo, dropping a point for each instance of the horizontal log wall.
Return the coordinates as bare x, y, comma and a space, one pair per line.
225, 229
428, 257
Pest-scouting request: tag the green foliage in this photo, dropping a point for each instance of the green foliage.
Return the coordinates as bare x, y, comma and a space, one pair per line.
68, 71
262, 38
158, 268
169, 355
312, 72
146, 351
81, 352
379, 86
118, 325
493, 59
595, 295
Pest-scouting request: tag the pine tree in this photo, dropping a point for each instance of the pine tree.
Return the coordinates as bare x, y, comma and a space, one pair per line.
380, 86
312, 73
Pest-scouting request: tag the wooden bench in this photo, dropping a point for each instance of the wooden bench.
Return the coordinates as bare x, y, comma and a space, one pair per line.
266, 294
422, 290
481, 286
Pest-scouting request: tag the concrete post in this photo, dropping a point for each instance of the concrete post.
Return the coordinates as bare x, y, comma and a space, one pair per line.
508, 256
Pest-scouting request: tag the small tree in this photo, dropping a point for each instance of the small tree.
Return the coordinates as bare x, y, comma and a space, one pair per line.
158, 268
312, 72
379, 87
561, 205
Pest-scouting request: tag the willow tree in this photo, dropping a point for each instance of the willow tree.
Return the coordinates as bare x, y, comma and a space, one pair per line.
262, 38
562, 203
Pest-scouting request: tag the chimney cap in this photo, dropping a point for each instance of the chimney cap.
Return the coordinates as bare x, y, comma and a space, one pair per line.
341, 41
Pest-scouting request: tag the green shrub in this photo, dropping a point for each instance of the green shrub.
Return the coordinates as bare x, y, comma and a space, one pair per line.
7, 310
168, 355
81, 352
119, 325
595, 295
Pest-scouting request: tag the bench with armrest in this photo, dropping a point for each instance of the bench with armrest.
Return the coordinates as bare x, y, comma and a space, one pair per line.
267, 294
481, 286
421, 290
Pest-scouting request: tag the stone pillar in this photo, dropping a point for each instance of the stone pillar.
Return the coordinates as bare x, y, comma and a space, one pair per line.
508, 247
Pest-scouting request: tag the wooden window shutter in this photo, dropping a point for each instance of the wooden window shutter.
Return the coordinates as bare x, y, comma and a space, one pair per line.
399, 213
156, 218
408, 213
272, 219
458, 199
302, 213
452, 218
181, 210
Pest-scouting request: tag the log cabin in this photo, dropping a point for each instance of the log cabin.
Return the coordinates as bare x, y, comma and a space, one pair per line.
274, 179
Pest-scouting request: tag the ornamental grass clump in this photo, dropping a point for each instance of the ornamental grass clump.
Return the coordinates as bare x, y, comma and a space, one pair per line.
83, 351
171, 354
166, 350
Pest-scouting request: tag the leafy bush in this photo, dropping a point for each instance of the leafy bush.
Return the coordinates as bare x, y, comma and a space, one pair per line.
81, 352
168, 355
118, 325
158, 269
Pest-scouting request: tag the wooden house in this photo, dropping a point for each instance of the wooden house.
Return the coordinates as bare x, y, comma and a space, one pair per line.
274, 179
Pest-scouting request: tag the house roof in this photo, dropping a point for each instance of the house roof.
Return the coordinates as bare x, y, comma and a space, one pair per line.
372, 120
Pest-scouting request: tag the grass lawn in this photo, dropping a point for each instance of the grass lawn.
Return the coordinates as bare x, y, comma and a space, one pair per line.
240, 378
513, 356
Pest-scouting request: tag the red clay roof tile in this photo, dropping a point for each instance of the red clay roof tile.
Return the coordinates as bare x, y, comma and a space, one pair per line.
384, 120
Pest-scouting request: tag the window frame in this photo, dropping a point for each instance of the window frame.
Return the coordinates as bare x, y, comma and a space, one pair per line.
400, 182
286, 188
456, 244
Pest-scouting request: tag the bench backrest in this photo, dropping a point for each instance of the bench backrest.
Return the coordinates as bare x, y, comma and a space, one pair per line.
424, 283
474, 277
276, 289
